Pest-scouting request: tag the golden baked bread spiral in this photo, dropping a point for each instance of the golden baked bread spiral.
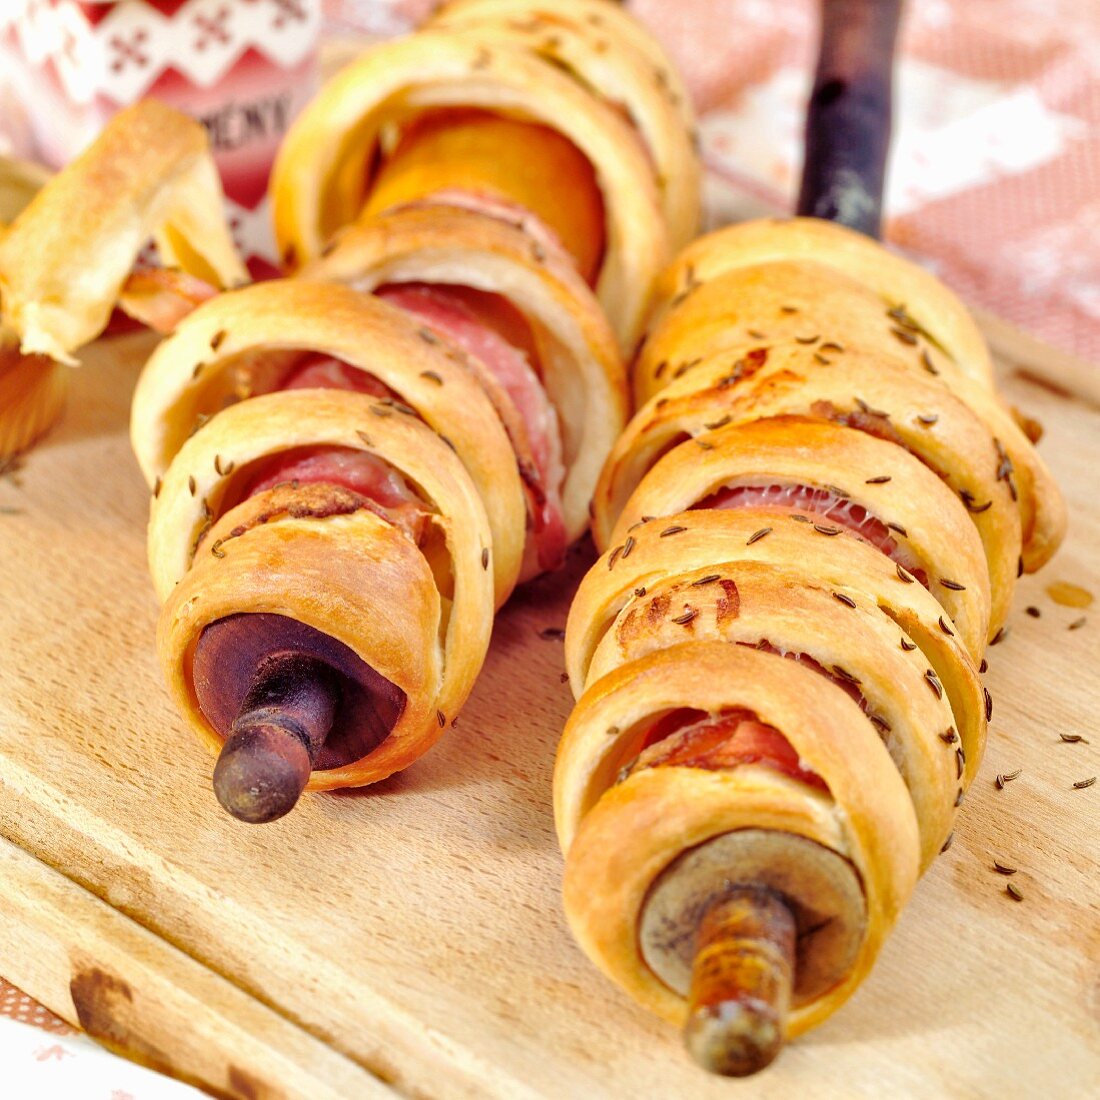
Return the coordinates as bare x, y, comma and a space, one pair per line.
811, 527
583, 69
367, 457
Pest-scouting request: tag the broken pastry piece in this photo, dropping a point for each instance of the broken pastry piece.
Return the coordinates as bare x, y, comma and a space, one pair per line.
67, 260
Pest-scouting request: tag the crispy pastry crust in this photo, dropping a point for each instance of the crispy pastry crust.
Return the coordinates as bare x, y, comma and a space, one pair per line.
793, 354
643, 823
32, 387
355, 577
321, 179
608, 50
193, 373
580, 363
149, 173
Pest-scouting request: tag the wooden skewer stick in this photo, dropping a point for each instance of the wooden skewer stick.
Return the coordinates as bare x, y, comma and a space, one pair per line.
743, 969
267, 758
741, 982
848, 119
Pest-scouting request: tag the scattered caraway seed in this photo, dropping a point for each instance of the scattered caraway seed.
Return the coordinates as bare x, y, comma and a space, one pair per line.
832, 345
988, 704
788, 309
710, 578
882, 479
441, 718
1034, 612
627, 547
947, 843
432, 376
1003, 869
945, 628
217, 550
907, 645
822, 360
1077, 623
552, 634
614, 558
950, 736
686, 617
823, 529
844, 599
984, 666
485, 558
1000, 636
1081, 784
1003, 778
756, 334
564, 677
959, 798
928, 419
191, 485
897, 527
861, 404
927, 363
1073, 738
933, 682
217, 338
1014, 892
639, 592
960, 763
807, 339
703, 445
953, 585
157, 486
904, 336
905, 575
674, 530
756, 536
612, 731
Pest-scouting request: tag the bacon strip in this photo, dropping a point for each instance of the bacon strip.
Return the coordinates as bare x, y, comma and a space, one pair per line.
474, 324
681, 739
828, 506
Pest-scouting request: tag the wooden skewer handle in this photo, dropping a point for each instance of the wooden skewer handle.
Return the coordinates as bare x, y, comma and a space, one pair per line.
741, 982
267, 758
849, 115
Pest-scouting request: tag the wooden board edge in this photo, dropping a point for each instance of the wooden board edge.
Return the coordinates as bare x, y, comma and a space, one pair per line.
1033, 359
149, 1002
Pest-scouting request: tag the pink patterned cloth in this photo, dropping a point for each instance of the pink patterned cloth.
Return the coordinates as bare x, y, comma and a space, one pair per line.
16, 1005
995, 170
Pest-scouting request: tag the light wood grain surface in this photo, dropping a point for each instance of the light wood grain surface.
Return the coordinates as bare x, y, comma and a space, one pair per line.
413, 930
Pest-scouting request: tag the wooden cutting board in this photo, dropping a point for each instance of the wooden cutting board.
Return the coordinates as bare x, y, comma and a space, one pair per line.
408, 938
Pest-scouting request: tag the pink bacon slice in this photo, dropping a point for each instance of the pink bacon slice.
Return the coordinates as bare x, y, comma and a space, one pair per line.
826, 507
